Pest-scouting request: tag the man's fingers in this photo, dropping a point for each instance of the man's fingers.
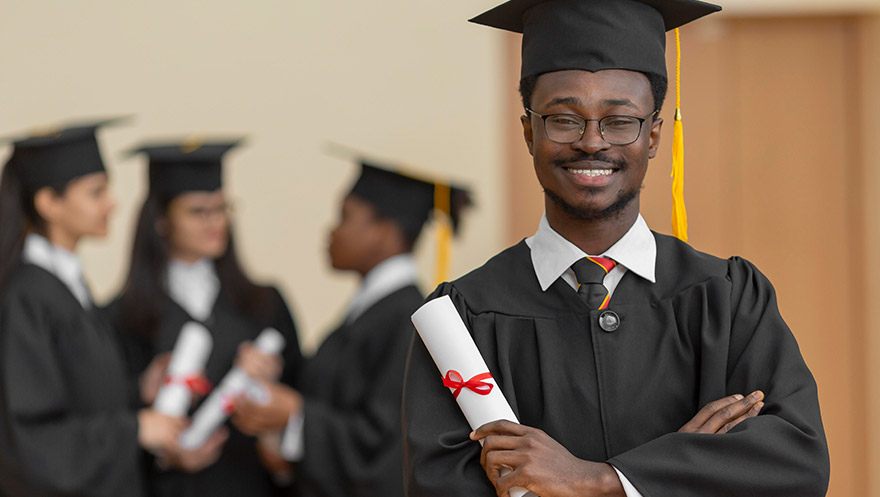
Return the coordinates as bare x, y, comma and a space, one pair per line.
716, 414
498, 443
500, 427
751, 414
731, 412
501, 442
504, 483
707, 412
499, 462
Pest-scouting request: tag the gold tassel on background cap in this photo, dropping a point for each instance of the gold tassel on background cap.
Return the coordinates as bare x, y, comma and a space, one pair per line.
679, 214
443, 220
192, 143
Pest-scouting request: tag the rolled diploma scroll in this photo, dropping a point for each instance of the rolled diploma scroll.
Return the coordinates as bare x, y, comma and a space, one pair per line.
213, 411
452, 348
191, 351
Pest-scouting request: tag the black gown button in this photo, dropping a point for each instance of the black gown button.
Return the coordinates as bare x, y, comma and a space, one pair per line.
609, 321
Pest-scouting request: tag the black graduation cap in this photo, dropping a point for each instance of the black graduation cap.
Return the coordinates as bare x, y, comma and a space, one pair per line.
594, 35
408, 199
184, 166
56, 155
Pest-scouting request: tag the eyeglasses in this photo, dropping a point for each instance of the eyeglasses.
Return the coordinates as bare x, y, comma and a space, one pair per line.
615, 130
206, 213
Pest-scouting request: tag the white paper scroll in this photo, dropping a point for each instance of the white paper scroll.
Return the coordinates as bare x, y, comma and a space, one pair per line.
452, 348
191, 351
215, 409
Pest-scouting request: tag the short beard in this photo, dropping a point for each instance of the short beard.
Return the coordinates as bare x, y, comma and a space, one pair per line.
624, 198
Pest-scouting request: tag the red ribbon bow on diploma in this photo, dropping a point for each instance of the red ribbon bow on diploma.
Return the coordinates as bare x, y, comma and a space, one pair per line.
227, 403
197, 384
476, 384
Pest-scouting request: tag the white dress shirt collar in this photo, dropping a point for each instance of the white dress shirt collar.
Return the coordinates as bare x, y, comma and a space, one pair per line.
552, 255
194, 287
387, 277
64, 264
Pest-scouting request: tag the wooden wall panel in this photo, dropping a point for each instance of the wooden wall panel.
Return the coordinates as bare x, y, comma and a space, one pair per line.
868, 53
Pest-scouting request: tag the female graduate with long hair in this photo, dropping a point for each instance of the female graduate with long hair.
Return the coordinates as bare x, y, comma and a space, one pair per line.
65, 423
184, 267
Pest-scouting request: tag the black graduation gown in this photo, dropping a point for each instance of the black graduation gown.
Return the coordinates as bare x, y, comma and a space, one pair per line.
65, 424
708, 328
352, 389
238, 471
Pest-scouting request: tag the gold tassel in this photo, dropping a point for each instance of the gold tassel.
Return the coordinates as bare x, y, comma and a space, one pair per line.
679, 214
443, 220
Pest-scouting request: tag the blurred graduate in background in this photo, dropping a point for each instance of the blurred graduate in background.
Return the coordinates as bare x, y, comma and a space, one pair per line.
184, 268
66, 427
342, 425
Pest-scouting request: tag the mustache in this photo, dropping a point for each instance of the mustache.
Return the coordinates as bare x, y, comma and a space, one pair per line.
597, 157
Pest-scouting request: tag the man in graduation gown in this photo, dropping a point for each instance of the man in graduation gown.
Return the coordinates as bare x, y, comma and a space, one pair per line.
605, 359
342, 427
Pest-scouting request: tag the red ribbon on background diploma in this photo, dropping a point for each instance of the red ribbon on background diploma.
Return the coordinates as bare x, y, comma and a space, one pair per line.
197, 384
476, 384
227, 403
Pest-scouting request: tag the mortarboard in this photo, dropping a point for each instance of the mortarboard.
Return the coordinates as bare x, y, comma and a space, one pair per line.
405, 198
53, 156
593, 35
187, 165
410, 198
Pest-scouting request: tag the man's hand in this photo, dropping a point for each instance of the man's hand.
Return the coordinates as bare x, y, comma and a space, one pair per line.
258, 365
193, 461
252, 418
152, 378
721, 415
529, 458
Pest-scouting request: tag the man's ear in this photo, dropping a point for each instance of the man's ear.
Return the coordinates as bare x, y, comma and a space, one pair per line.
393, 238
654, 144
47, 203
528, 133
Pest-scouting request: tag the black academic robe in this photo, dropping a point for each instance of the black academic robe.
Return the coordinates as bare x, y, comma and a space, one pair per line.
238, 471
352, 389
65, 424
707, 329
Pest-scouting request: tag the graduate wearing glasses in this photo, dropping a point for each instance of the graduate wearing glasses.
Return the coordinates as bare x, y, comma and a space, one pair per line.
184, 267
636, 365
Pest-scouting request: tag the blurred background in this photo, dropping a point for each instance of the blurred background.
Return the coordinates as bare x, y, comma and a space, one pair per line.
781, 105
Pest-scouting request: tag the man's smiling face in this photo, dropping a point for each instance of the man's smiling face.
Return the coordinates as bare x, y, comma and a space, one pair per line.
590, 178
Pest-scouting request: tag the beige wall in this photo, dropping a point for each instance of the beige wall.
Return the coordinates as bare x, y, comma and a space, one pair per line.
407, 80
797, 7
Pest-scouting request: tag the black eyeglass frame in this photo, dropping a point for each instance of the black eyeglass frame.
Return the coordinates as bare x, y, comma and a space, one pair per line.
587, 121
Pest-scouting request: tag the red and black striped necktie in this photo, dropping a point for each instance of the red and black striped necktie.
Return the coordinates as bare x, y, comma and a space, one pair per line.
590, 273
